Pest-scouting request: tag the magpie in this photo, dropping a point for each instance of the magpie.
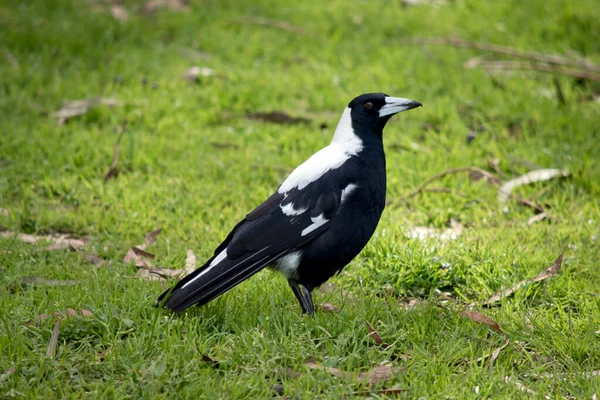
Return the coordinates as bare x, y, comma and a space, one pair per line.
318, 220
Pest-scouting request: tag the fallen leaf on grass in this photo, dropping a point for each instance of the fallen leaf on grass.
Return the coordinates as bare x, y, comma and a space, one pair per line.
195, 73
373, 333
538, 175
138, 257
138, 254
277, 117
94, 259
69, 312
377, 374
120, 13
481, 319
545, 274
327, 307
53, 339
80, 107
150, 237
59, 241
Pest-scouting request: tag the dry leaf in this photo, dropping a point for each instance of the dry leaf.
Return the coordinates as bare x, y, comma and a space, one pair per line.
190, 262
80, 107
142, 253
545, 274
377, 374
120, 13
328, 307
54, 339
538, 175
277, 117
195, 73
94, 259
374, 334
481, 319
139, 260
59, 241
150, 237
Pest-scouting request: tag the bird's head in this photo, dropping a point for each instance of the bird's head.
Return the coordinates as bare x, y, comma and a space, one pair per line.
373, 110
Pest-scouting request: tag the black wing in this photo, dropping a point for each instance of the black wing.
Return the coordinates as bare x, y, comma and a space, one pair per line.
266, 234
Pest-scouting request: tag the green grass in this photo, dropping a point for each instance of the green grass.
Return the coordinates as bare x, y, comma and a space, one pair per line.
173, 176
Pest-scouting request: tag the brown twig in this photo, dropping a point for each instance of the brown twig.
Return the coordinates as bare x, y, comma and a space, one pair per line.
283, 25
491, 178
495, 48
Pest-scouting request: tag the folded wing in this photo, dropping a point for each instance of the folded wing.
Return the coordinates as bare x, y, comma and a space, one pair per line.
280, 225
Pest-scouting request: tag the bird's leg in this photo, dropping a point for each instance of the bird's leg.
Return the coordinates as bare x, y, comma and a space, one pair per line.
304, 297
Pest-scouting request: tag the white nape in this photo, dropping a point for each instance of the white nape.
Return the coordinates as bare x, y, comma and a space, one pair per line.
289, 210
288, 264
347, 190
345, 144
316, 223
214, 262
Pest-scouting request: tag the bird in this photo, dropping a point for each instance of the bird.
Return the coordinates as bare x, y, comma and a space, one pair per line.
318, 220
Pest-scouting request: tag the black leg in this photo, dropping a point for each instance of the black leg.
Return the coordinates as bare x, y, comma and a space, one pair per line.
304, 297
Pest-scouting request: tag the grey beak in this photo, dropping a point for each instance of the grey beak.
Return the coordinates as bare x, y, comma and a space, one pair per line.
394, 105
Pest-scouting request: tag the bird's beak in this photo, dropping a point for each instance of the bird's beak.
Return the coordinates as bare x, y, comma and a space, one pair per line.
394, 105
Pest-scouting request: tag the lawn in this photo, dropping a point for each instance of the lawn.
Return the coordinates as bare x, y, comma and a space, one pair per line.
195, 153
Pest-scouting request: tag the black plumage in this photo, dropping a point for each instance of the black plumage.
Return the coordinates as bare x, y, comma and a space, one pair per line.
320, 218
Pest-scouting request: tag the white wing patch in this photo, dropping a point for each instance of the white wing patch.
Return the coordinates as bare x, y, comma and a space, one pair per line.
214, 262
316, 223
347, 190
344, 145
289, 210
288, 264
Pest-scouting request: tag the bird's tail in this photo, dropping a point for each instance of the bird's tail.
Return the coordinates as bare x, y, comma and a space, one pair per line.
214, 278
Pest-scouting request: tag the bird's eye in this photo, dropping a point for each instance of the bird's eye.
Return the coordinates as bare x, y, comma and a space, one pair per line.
368, 105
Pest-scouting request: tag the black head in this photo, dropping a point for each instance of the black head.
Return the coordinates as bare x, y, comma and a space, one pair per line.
373, 110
